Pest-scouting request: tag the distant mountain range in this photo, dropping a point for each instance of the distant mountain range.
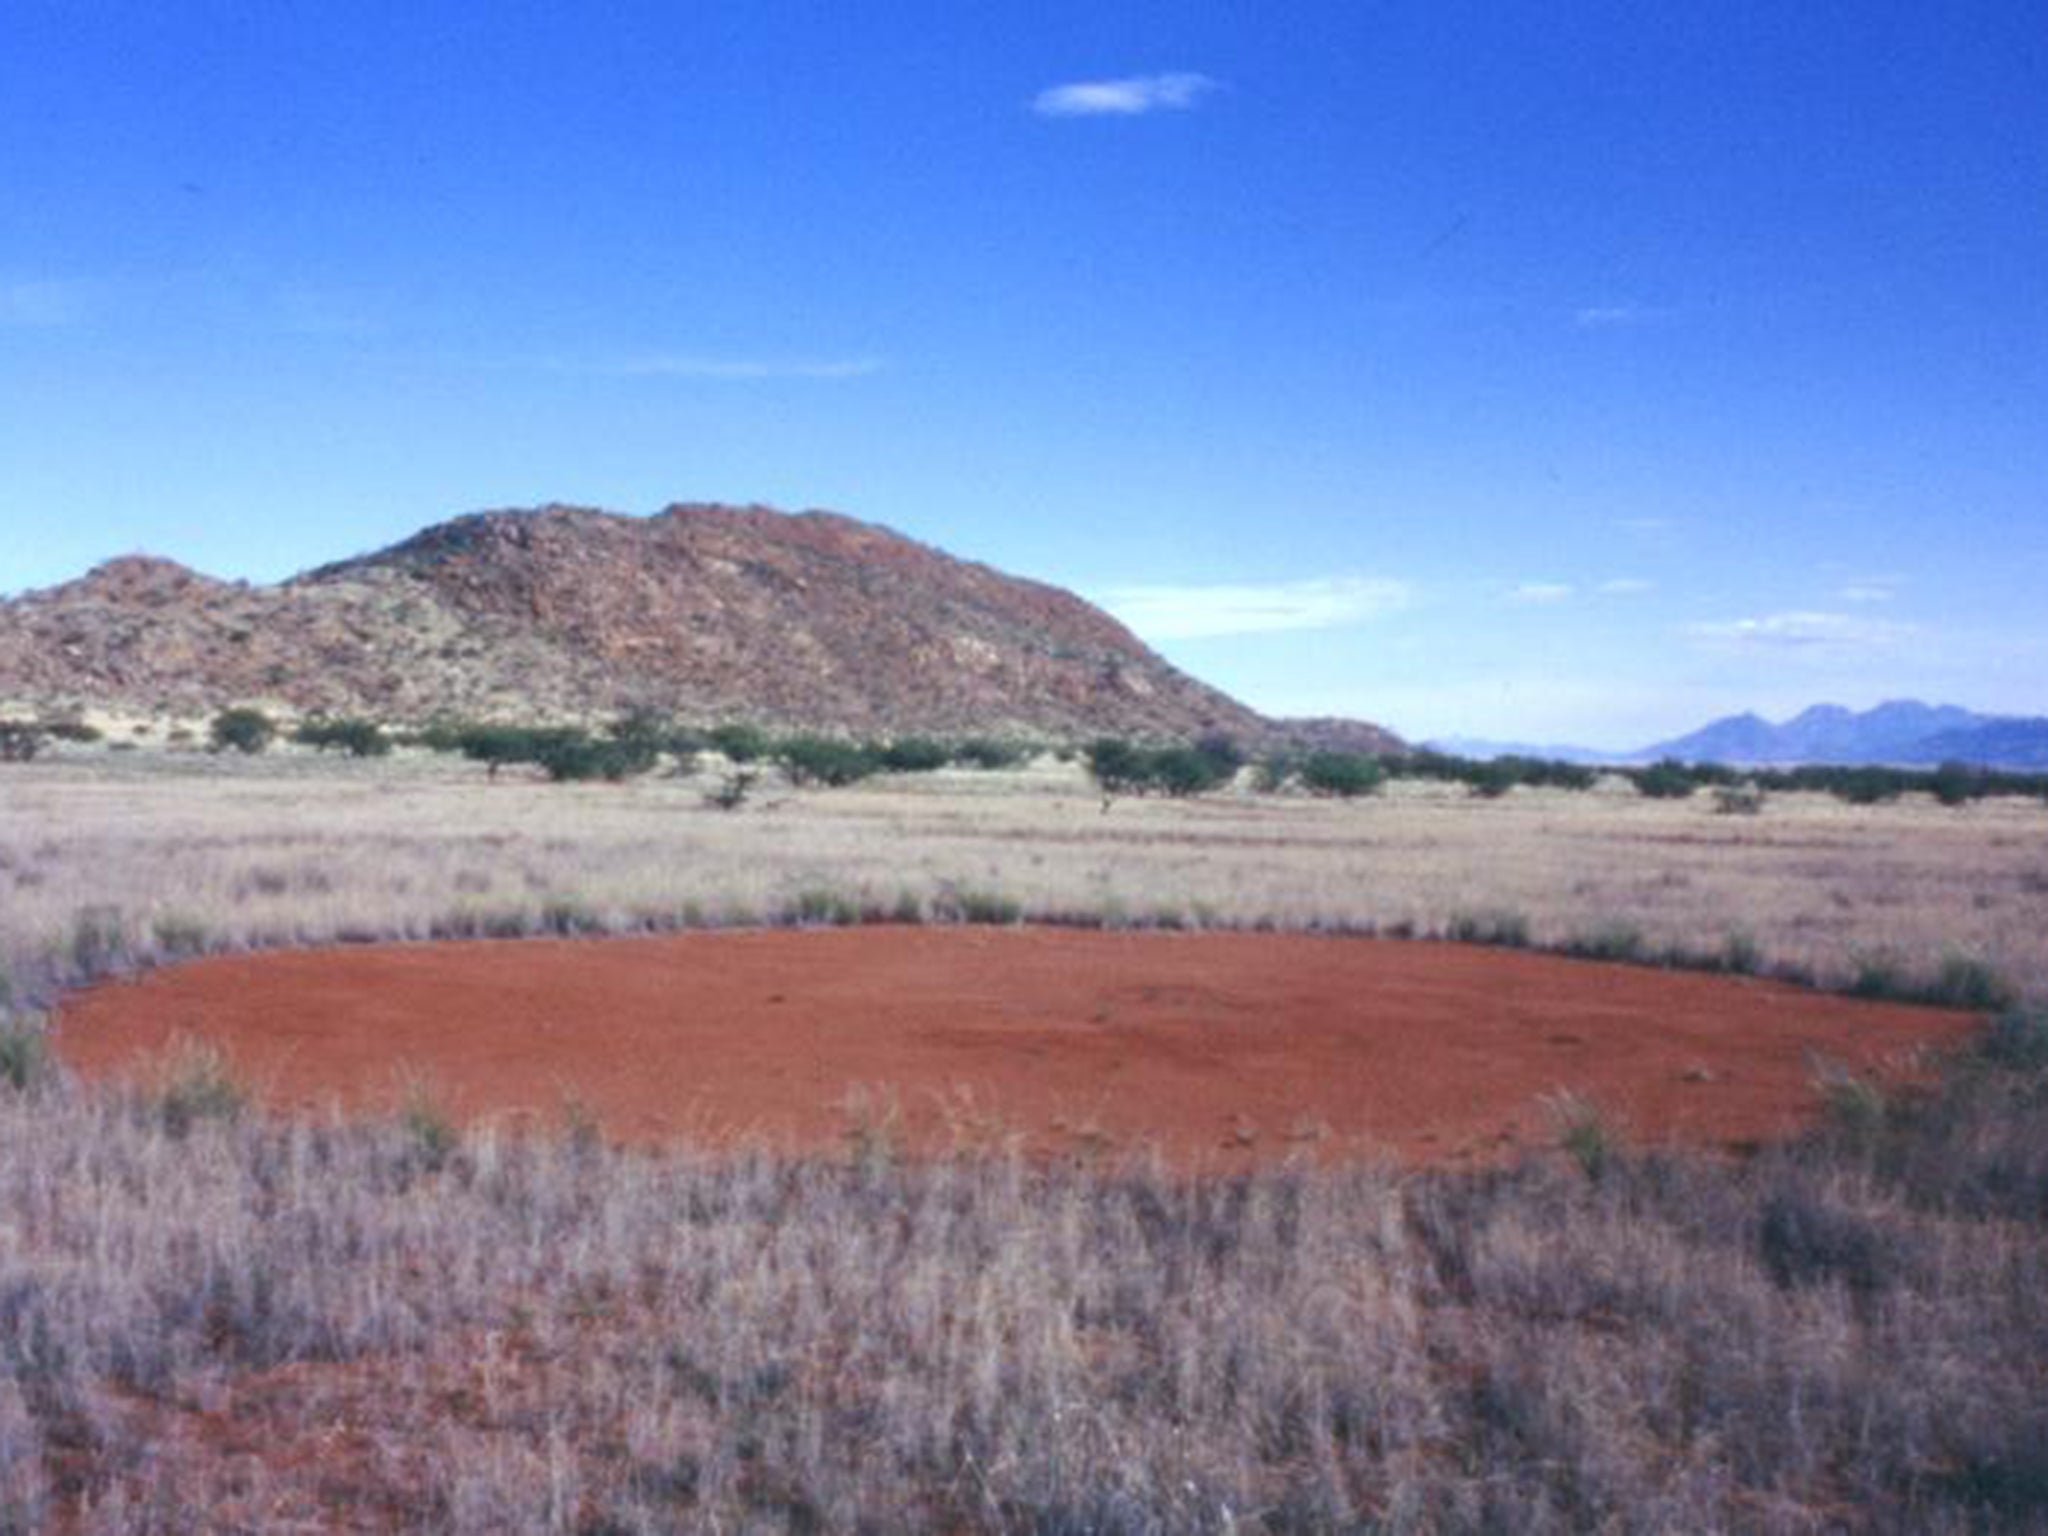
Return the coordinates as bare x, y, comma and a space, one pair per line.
1901, 732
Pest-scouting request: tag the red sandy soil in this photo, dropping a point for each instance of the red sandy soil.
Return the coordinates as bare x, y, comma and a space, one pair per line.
1217, 1048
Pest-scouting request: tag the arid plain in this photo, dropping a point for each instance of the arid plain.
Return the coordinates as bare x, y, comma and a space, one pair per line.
412, 1317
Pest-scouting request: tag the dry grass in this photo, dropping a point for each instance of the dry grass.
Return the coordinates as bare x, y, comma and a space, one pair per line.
105, 860
210, 1318
231, 1322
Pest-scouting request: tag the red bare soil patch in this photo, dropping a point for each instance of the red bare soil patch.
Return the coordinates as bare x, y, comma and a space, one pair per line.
1219, 1048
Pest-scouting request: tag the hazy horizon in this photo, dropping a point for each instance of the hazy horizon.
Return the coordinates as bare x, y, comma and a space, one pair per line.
1578, 375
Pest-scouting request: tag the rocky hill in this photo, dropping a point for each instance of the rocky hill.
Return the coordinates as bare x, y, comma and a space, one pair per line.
707, 612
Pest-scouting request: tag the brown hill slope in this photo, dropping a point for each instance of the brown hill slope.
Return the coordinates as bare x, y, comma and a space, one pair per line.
709, 612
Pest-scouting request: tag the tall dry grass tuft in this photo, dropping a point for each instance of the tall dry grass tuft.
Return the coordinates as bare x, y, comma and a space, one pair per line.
249, 1321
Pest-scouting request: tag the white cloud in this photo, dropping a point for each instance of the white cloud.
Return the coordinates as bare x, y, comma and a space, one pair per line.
1626, 586
1128, 97
1801, 631
1202, 612
666, 366
1542, 591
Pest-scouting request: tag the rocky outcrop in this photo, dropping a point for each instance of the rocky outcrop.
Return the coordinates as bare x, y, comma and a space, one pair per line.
706, 612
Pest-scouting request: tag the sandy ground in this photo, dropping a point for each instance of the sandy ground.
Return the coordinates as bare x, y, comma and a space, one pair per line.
1218, 1049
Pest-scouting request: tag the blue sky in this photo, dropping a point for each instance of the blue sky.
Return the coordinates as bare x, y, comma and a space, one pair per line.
1562, 371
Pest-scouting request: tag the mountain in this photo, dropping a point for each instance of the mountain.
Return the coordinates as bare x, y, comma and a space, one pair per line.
2019, 744
710, 612
1896, 732
1902, 733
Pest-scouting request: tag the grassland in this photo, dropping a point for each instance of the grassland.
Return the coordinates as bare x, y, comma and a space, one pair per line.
214, 1319
106, 859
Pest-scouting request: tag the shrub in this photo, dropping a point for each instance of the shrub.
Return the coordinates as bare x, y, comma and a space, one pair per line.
1963, 982
824, 760
1489, 781
196, 1084
1738, 800
1509, 930
1584, 1133
740, 742
1122, 767
1185, 771
242, 730
1442, 767
569, 755
1221, 749
1869, 786
1742, 955
566, 917
178, 934
20, 741
1611, 941
495, 745
653, 732
1560, 775
732, 791
99, 941
913, 754
439, 735
1273, 772
1857, 1106
1668, 779
2017, 1041
1117, 766
990, 752
427, 1126
1956, 783
76, 731
1805, 1238
1493, 777
1879, 975
563, 753
1343, 774
358, 738
956, 905
24, 1053
823, 908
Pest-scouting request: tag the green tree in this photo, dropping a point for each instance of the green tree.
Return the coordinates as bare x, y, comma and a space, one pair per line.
1343, 774
741, 742
242, 729
1118, 766
1666, 779
358, 738
824, 760
913, 754
1185, 771
990, 752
